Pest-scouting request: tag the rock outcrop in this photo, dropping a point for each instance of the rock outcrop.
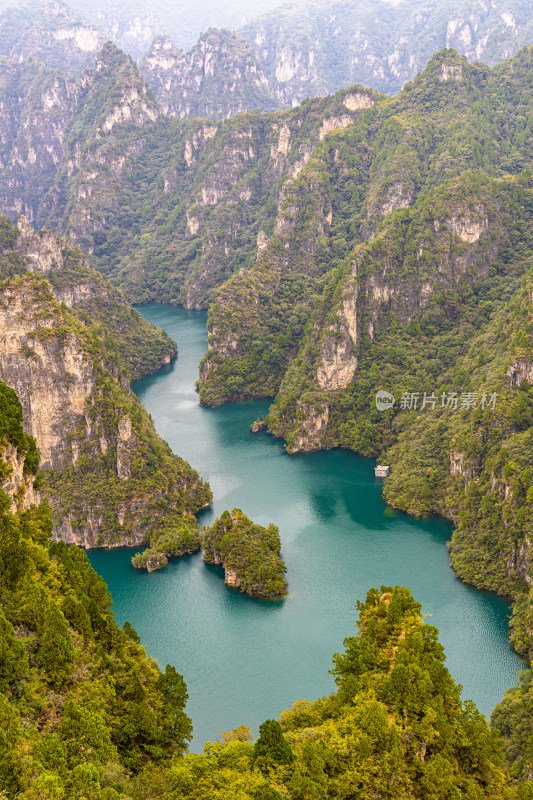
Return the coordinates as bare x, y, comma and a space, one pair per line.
17, 482
95, 440
220, 77
250, 554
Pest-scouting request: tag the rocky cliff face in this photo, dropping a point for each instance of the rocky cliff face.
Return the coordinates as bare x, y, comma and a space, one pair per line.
52, 379
218, 78
107, 475
59, 139
320, 48
105, 136
141, 348
358, 204
37, 104
17, 483
19, 457
377, 287
60, 38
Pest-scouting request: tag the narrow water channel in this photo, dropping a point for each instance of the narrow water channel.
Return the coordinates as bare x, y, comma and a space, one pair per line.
245, 660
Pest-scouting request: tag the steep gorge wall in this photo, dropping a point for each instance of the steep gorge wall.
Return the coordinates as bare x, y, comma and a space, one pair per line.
433, 227
109, 478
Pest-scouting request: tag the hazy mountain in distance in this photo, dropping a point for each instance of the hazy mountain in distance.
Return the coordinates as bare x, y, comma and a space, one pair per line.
315, 48
132, 24
196, 65
54, 33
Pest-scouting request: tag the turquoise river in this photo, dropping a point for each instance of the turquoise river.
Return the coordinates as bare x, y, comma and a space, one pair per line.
245, 660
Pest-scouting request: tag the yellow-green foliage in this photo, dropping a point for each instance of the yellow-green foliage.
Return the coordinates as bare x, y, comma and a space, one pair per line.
395, 728
82, 707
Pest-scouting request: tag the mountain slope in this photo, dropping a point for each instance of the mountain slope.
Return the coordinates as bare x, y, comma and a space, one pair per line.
82, 707
70, 346
393, 187
315, 48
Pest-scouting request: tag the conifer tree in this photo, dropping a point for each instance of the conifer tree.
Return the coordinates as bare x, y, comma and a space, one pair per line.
271, 746
56, 651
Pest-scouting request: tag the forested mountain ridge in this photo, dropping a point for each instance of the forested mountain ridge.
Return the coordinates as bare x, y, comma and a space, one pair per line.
418, 191
295, 51
70, 346
55, 128
314, 48
167, 208
83, 709
171, 208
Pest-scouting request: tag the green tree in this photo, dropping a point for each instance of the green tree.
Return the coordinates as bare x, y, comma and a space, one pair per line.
174, 691
10, 733
86, 736
13, 658
272, 747
56, 651
266, 792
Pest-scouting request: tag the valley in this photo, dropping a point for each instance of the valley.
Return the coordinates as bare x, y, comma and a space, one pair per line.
338, 538
296, 247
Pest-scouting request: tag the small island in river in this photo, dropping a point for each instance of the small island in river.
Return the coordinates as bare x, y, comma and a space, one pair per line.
249, 553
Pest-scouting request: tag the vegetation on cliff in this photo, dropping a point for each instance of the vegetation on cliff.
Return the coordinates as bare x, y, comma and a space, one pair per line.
173, 543
12, 433
83, 709
74, 347
249, 553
